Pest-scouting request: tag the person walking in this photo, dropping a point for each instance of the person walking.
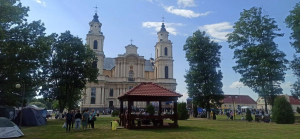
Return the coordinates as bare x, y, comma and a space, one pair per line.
69, 118
85, 119
92, 118
78, 117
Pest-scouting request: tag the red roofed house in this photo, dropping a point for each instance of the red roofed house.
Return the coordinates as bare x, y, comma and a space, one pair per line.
240, 100
148, 92
294, 102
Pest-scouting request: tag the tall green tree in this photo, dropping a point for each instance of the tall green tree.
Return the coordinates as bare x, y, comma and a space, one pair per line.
22, 53
293, 22
203, 79
259, 61
68, 67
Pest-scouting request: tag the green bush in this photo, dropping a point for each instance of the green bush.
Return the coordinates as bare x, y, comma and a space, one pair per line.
150, 109
298, 110
115, 113
282, 111
248, 116
182, 112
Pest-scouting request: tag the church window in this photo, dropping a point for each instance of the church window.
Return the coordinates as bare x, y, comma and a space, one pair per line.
166, 72
107, 76
161, 39
95, 44
130, 87
166, 51
111, 92
93, 95
94, 64
130, 74
160, 34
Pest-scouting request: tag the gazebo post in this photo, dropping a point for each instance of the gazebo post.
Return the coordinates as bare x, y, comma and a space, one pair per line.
159, 108
121, 115
129, 113
175, 113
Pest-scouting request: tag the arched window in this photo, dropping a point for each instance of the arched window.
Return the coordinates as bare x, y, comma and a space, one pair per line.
107, 76
166, 72
166, 51
95, 44
93, 95
94, 65
130, 78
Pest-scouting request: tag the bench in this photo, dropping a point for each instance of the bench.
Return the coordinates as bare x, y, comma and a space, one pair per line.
265, 118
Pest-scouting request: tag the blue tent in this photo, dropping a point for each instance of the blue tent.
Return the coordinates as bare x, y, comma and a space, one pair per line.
32, 116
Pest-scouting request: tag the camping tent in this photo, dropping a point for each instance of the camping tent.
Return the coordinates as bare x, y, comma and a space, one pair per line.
9, 129
32, 116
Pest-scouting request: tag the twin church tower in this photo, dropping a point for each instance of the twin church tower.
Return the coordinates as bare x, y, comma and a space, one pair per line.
120, 74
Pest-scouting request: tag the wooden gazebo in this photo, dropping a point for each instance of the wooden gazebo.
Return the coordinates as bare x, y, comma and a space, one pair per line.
148, 92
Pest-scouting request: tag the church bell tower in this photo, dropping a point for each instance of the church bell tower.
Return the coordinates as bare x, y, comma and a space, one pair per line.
95, 40
163, 55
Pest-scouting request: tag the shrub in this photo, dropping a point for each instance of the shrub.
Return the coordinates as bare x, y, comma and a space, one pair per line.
298, 110
115, 113
150, 109
282, 111
182, 112
248, 116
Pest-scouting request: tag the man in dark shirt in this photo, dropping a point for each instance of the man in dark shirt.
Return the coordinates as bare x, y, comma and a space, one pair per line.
78, 118
69, 118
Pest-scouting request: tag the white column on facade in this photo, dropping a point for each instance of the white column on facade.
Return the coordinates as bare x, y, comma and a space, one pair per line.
119, 70
143, 70
123, 90
138, 75
88, 96
117, 95
125, 69
102, 90
98, 97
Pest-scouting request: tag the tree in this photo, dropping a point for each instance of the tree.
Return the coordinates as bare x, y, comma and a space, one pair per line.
259, 61
293, 22
23, 51
248, 116
68, 67
282, 112
182, 112
298, 110
47, 103
203, 80
150, 109
195, 110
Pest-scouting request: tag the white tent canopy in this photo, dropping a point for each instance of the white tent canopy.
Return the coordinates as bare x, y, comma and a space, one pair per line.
9, 129
246, 107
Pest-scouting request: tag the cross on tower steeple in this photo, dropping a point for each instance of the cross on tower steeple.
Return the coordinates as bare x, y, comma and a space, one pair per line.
163, 19
131, 41
96, 9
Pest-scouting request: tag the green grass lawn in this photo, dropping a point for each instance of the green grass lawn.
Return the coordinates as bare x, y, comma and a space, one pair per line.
192, 128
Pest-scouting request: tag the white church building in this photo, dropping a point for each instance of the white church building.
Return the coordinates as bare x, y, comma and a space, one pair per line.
119, 74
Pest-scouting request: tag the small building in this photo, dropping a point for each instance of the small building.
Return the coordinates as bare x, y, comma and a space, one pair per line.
240, 101
294, 102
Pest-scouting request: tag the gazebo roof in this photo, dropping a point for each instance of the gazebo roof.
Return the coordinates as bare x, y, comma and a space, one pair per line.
149, 90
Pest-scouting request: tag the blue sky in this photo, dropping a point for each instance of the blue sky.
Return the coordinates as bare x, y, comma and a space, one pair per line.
140, 20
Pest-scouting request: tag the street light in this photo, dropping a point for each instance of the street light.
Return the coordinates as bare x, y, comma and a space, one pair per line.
239, 93
233, 101
21, 114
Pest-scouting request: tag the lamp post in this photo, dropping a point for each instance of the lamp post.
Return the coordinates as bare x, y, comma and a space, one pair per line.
239, 93
22, 92
233, 102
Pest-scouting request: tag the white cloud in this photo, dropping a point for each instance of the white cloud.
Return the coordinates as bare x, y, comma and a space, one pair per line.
186, 3
286, 85
236, 84
170, 27
150, 1
184, 12
218, 31
41, 2
184, 97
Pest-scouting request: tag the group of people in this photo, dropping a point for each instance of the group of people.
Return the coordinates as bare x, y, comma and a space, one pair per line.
85, 119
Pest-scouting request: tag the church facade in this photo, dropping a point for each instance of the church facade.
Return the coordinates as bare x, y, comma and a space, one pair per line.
119, 74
